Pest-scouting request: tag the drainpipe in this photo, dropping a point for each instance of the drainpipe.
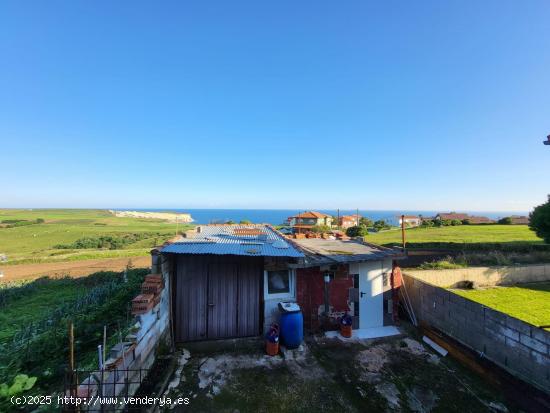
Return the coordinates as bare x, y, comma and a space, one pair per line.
327, 305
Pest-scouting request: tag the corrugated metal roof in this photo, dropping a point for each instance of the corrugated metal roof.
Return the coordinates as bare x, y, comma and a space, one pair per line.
235, 240
321, 251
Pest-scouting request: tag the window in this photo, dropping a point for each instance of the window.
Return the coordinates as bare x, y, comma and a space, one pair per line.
279, 284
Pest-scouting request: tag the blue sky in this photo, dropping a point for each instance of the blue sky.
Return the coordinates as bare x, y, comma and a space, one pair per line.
377, 105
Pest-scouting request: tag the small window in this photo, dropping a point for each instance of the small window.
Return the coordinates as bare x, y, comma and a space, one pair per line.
278, 282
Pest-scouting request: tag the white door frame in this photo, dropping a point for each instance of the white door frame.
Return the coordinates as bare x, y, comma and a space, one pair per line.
371, 293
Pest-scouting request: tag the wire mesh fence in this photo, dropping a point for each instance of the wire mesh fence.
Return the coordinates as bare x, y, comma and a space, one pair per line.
104, 391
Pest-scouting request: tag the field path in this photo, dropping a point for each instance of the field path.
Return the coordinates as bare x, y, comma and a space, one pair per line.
72, 268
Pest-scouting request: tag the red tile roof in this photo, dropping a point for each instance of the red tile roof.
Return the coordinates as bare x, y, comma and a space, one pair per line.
311, 214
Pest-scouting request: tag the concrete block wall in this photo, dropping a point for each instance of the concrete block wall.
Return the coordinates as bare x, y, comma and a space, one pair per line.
139, 348
518, 347
484, 276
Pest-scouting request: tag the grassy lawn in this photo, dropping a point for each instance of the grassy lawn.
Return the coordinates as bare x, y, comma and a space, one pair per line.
36, 242
462, 234
528, 302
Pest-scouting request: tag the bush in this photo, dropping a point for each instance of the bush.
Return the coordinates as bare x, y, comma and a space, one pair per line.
245, 222
112, 242
539, 221
456, 222
357, 231
427, 223
320, 229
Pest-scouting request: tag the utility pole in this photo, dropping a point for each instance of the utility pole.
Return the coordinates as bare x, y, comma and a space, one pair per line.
338, 217
403, 231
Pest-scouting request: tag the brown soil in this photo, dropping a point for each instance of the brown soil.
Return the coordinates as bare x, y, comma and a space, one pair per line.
72, 268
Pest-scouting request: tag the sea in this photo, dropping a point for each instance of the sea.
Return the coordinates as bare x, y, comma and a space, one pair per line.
278, 216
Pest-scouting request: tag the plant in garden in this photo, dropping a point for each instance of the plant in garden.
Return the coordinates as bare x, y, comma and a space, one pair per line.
40, 347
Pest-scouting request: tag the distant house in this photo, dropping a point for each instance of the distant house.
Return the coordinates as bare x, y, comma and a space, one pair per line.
306, 220
472, 219
479, 220
410, 220
450, 216
519, 220
346, 221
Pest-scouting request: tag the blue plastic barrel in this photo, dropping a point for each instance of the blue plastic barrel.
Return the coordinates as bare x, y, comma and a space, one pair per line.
291, 324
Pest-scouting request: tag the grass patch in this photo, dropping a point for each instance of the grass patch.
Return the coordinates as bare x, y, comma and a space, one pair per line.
88, 230
461, 237
528, 302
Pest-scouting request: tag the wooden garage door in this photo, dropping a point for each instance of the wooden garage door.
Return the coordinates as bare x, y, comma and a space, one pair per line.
217, 297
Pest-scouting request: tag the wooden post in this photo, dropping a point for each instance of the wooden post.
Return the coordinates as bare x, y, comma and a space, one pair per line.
403, 232
71, 345
104, 342
72, 374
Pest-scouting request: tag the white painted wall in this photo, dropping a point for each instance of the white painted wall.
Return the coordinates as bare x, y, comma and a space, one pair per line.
371, 305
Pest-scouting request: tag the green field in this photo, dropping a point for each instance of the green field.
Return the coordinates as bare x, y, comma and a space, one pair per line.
36, 242
528, 302
460, 234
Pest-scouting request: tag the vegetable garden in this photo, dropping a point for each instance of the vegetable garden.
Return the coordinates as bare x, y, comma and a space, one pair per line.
33, 326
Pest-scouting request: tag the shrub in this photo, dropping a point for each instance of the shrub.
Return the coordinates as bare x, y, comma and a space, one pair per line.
112, 242
357, 231
319, 229
245, 222
539, 221
505, 221
456, 222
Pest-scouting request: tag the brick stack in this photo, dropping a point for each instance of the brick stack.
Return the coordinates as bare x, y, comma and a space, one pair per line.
150, 294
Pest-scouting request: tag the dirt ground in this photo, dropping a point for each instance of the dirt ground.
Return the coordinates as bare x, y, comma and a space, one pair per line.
71, 268
396, 374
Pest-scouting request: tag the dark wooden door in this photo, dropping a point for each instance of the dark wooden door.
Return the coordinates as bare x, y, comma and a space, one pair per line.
217, 297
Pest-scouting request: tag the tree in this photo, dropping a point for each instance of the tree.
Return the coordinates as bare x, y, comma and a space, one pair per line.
539, 221
466, 221
245, 222
364, 221
230, 222
505, 221
427, 223
380, 224
456, 222
357, 231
